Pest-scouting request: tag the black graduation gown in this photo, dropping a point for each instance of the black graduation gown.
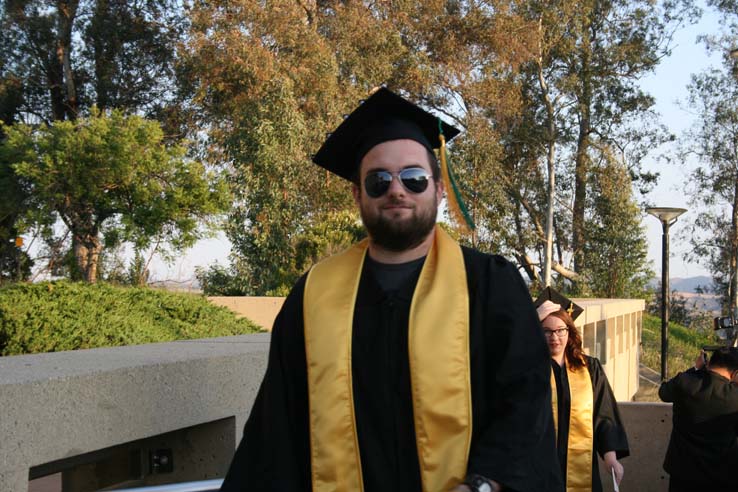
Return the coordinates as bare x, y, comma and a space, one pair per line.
512, 435
609, 433
702, 448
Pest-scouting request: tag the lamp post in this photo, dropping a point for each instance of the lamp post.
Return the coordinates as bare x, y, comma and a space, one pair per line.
667, 216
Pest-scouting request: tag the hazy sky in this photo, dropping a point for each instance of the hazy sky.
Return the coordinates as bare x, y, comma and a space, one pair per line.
668, 84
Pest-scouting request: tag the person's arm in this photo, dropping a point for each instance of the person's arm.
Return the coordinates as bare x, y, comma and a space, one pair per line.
513, 443
274, 453
668, 389
610, 439
609, 431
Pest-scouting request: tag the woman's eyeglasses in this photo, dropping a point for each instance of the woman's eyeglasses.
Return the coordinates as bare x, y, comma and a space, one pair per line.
560, 333
414, 179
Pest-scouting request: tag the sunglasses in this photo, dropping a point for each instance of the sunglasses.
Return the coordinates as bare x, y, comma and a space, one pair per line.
414, 179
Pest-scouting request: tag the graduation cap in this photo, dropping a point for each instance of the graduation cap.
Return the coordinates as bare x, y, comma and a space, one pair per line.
556, 297
386, 116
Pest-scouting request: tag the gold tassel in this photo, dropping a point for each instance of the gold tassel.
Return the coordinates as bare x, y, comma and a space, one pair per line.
456, 210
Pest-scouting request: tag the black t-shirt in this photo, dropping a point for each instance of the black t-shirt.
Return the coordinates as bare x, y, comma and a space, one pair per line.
392, 276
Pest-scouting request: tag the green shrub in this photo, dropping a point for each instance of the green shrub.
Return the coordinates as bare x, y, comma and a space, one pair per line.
54, 316
684, 345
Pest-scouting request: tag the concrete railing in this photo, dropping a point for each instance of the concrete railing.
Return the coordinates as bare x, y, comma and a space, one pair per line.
141, 415
611, 331
173, 412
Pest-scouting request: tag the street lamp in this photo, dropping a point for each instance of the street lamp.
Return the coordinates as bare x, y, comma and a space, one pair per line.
667, 216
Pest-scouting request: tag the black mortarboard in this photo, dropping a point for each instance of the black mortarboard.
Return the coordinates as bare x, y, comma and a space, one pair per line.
382, 117
554, 296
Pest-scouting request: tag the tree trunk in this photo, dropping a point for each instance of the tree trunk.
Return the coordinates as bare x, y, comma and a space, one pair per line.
102, 61
67, 11
87, 249
733, 256
550, 160
581, 163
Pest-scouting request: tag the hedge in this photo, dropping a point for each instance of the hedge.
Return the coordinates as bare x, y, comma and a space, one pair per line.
63, 315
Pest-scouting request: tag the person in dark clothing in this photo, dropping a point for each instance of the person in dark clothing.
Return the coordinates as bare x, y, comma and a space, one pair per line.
396, 365
703, 448
585, 410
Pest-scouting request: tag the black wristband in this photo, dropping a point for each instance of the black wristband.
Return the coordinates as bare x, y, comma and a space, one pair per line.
480, 484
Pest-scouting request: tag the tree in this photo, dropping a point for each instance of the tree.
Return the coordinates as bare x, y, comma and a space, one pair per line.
270, 80
583, 105
616, 251
713, 142
110, 178
71, 55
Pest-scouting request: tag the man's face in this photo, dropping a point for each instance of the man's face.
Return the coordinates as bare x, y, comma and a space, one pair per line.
399, 219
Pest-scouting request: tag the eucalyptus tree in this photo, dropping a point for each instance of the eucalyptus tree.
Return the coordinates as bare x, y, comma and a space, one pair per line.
586, 108
71, 55
712, 143
271, 79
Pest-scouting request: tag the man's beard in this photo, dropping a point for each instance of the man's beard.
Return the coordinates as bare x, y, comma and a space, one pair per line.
400, 234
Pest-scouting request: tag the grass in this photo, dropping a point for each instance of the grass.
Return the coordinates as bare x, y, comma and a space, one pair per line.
684, 345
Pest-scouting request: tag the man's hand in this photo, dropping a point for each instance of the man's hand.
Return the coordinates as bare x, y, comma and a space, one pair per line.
611, 462
462, 487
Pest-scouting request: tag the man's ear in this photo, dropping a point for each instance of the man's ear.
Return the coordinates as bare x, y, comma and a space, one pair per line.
356, 191
439, 189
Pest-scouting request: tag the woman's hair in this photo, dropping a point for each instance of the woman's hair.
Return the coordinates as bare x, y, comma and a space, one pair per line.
573, 350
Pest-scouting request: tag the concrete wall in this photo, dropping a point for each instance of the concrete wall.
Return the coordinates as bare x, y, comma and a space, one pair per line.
77, 411
59, 408
611, 331
648, 426
260, 310
86, 412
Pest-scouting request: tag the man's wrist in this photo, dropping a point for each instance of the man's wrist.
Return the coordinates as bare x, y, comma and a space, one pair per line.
478, 483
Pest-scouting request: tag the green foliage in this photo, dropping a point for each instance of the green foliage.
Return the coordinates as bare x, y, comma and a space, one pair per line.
55, 316
111, 179
276, 276
712, 232
684, 345
582, 106
65, 57
269, 93
616, 251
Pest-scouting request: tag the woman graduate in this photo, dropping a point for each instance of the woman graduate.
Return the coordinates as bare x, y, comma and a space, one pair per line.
584, 407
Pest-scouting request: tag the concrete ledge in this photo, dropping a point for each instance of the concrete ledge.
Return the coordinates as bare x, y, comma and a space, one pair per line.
260, 310
64, 404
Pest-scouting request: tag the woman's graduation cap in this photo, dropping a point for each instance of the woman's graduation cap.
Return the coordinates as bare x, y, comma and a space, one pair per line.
556, 297
385, 116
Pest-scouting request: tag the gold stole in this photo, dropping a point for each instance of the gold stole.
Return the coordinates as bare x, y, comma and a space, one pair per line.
438, 346
581, 434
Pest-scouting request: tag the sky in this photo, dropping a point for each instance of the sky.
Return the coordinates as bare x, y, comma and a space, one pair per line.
667, 84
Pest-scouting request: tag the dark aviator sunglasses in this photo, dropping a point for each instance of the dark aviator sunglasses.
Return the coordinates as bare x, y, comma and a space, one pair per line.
414, 179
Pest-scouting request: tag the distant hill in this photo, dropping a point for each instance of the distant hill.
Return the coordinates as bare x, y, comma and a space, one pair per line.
688, 284
687, 288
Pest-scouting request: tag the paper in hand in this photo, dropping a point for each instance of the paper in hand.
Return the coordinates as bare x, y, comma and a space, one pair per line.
614, 481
